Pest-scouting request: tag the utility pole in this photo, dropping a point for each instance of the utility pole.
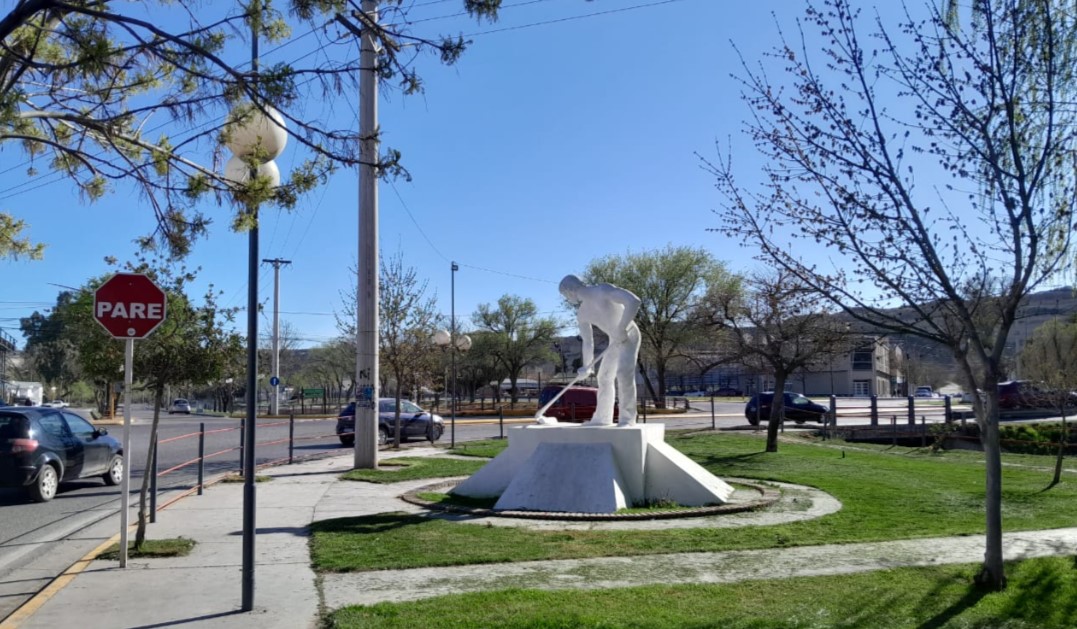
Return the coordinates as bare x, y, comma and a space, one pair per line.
274, 380
366, 329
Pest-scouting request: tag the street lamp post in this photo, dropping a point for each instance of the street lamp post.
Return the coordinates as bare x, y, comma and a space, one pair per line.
252, 136
448, 340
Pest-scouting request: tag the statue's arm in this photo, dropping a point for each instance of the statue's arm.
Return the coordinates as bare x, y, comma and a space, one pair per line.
587, 354
631, 308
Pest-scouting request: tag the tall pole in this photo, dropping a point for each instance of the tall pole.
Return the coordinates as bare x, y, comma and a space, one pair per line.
125, 484
274, 402
452, 315
366, 361
252, 376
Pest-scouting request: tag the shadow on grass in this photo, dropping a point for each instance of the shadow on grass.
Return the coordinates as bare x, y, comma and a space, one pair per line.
368, 524
969, 600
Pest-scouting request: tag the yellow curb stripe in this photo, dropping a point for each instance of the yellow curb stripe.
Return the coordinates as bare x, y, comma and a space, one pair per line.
30, 607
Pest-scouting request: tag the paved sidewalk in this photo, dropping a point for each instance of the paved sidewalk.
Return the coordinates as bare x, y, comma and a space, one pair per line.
204, 590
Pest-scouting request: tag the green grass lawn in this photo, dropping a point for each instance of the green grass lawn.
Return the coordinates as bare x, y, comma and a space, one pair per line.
1042, 594
172, 547
886, 494
415, 468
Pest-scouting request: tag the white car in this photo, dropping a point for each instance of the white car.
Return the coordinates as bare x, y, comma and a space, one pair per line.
56, 404
180, 405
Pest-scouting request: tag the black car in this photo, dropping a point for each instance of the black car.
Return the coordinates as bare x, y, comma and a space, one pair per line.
728, 392
796, 407
42, 447
414, 422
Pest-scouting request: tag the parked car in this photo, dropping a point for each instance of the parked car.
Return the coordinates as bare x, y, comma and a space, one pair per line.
728, 392
42, 447
414, 422
56, 404
180, 405
577, 404
924, 391
796, 407
1017, 394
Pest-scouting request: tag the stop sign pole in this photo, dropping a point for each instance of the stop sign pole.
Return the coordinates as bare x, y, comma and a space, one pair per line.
129, 306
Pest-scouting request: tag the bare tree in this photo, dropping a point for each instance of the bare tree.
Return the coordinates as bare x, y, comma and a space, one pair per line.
776, 326
1050, 358
935, 169
408, 319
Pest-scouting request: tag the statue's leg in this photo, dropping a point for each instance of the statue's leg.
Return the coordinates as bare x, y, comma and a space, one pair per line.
607, 372
626, 379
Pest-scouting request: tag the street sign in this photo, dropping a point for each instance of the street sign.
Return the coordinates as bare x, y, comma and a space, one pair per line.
129, 306
274, 381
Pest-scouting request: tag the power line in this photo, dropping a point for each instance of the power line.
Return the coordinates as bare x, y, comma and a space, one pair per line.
463, 13
572, 18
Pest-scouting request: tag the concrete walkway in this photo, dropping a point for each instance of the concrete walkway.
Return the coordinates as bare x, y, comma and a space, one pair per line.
204, 589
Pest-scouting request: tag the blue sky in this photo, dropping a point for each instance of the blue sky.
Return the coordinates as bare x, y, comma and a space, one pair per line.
544, 148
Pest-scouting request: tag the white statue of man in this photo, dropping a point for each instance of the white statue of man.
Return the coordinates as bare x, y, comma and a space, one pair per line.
612, 310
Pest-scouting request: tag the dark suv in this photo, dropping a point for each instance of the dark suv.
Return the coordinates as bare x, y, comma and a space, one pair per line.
43, 447
414, 422
795, 406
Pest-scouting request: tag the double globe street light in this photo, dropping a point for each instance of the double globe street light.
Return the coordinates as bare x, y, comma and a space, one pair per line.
444, 339
256, 137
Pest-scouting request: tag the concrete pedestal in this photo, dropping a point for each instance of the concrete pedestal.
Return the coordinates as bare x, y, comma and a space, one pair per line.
592, 469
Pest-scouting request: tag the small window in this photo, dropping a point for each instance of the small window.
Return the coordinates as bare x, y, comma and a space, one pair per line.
80, 427
54, 426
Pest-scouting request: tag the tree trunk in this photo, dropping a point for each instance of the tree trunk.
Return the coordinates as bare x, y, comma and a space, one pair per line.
647, 381
143, 494
777, 409
396, 421
660, 376
1061, 451
992, 574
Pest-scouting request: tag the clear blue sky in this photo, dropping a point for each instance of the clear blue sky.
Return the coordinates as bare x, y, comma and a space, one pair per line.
544, 148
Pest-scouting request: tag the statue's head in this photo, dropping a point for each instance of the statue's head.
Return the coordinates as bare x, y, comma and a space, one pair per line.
570, 288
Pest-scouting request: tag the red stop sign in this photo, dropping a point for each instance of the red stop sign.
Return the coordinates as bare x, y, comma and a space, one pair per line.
129, 305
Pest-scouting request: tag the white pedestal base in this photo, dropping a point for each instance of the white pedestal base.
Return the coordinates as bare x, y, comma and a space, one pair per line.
592, 469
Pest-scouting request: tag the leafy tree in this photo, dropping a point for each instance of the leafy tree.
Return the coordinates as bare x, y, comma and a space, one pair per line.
670, 283
52, 354
190, 346
519, 337
102, 92
479, 367
1050, 358
776, 326
100, 357
933, 166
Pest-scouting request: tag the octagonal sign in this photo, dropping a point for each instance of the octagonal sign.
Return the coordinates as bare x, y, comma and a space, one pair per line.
129, 305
